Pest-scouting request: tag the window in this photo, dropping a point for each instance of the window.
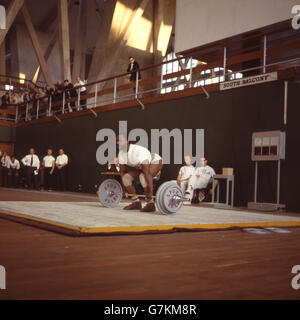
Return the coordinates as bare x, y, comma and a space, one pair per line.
175, 83
8, 87
203, 78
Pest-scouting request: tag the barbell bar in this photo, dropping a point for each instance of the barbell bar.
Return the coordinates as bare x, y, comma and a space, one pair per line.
168, 198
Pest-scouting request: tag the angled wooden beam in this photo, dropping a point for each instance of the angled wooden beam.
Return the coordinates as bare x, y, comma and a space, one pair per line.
64, 37
116, 44
102, 39
11, 14
2, 58
79, 49
164, 17
49, 49
36, 45
53, 39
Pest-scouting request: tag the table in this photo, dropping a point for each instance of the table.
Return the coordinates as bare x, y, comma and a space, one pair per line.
229, 178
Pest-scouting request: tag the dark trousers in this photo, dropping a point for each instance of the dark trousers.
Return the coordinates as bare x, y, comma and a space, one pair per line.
30, 175
48, 178
4, 173
61, 175
83, 101
14, 178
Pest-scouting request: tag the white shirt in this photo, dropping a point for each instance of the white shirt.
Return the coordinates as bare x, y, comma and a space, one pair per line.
48, 161
135, 156
14, 165
80, 83
62, 159
186, 172
206, 172
35, 161
5, 161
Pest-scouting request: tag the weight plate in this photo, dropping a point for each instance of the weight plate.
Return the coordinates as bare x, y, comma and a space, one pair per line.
158, 197
168, 198
110, 193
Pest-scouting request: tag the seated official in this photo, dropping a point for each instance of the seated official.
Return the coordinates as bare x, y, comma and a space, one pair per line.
113, 167
199, 180
137, 163
32, 164
185, 174
13, 172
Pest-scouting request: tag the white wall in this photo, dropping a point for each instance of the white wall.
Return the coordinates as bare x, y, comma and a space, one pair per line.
199, 22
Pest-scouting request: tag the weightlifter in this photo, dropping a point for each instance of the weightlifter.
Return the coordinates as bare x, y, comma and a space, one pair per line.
138, 163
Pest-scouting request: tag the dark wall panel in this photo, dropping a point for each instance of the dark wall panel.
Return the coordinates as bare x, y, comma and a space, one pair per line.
7, 134
228, 118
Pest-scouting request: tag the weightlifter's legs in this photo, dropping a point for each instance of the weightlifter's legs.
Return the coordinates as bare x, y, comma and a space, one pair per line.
129, 176
155, 169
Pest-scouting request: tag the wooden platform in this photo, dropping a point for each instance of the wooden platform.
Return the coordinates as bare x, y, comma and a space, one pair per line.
231, 264
89, 217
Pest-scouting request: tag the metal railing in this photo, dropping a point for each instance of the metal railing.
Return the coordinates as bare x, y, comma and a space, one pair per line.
118, 89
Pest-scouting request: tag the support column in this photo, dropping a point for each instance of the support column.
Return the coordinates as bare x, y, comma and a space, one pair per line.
80, 37
64, 37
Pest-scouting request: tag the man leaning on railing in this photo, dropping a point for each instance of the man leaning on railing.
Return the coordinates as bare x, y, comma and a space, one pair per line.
5, 101
81, 91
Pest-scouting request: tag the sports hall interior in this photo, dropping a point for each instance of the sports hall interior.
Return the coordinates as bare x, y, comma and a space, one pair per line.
221, 70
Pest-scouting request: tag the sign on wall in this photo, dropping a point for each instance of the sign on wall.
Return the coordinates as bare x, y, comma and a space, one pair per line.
267, 77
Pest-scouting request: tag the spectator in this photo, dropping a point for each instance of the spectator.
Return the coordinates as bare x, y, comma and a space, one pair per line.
61, 165
32, 104
14, 98
185, 173
27, 102
82, 91
49, 92
20, 98
4, 168
5, 101
13, 172
55, 99
41, 95
133, 69
32, 164
70, 93
59, 93
49, 166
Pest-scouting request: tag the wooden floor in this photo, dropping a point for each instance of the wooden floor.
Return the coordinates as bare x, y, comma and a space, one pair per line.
192, 265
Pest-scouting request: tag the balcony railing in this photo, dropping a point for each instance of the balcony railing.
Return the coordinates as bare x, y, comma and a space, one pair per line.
118, 89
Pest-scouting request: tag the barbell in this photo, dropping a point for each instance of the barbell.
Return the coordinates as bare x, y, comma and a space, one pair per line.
168, 198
